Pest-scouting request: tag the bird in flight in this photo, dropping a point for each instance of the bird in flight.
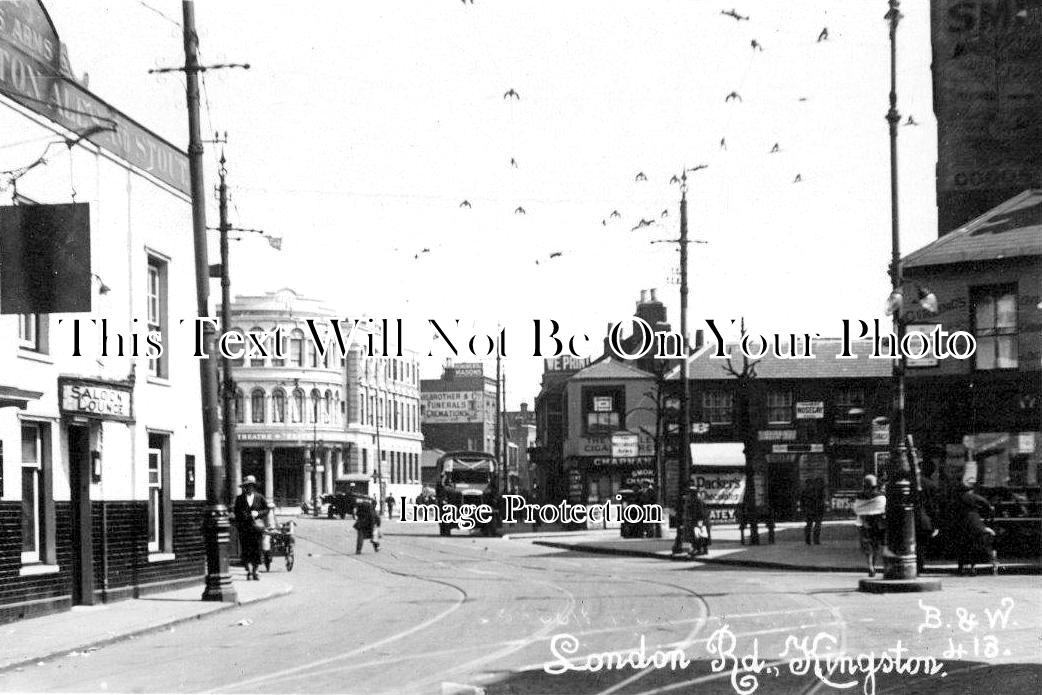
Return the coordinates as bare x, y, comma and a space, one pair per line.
911, 121
698, 168
511, 93
733, 13
513, 162
803, 98
776, 148
615, 213
642, 224
519, 210
723, 143
797, 179
665, 213
824, 35
555, 254
756, 45
465, 204
640, 176
674, 179
604, 223
732, 97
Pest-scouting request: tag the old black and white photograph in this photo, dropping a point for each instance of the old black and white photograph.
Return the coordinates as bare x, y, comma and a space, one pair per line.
521, 347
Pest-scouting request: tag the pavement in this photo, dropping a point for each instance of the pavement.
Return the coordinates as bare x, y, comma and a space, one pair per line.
85, 629
838, 552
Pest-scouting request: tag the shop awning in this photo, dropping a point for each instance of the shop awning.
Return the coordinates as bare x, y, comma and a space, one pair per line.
718, 454
10, 397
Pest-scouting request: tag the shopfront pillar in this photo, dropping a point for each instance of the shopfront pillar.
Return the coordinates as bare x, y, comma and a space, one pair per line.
306, 472
269, 474
328, 460
236, 469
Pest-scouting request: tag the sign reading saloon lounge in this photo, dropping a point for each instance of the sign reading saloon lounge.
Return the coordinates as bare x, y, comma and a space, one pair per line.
99, 399
34, 71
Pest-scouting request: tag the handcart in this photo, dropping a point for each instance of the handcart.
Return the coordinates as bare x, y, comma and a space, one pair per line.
279, 540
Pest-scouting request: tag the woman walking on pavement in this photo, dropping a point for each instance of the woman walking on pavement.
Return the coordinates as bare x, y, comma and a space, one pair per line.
870, 508
812, 501
251, 511
972, 537
367, 524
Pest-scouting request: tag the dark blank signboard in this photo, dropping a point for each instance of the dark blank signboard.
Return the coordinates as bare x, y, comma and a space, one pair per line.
45, 259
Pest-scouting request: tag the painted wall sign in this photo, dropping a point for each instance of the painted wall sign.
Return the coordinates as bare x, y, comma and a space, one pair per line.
31, 73
798, 448
452, 406
776, 435
98, 399
721, 488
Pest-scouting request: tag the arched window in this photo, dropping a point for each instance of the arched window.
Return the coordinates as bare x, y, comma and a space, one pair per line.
278, 406
297, 410
239, 361
327, 407
257, 405
239, 414
278, 361
296, 348
256, 360
316, 398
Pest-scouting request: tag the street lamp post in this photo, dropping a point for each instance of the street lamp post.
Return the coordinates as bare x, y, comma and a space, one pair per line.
899, 573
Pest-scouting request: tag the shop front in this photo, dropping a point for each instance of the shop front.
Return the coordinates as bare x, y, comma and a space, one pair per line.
598, 479
718, 470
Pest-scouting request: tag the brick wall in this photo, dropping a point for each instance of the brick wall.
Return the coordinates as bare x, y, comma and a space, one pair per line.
122, 572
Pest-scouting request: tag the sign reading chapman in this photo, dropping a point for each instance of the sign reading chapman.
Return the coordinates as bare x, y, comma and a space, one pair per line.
34, 71
106, 400
987, 75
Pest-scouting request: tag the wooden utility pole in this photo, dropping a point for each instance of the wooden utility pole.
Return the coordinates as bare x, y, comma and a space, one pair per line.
227, 383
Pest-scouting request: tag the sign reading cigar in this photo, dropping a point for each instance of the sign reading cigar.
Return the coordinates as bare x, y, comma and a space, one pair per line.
98, 399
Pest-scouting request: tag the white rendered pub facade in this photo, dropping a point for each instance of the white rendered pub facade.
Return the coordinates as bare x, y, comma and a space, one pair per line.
102, 482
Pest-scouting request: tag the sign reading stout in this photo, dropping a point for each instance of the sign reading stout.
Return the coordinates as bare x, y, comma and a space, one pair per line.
98, 399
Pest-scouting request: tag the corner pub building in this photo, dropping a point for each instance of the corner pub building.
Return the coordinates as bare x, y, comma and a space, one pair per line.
101, 468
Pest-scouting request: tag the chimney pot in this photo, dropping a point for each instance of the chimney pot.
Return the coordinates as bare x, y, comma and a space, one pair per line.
653, 291
643, 296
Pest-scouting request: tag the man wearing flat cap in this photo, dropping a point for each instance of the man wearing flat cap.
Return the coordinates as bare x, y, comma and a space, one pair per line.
251, 510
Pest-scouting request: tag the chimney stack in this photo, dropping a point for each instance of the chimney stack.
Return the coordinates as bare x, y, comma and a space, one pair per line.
653, 291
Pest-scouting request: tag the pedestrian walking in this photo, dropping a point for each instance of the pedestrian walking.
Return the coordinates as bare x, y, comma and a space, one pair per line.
390, 506
696, 519
269, 524
812, 502
367, 526
870, 508
972, 537
647, 496
251, 510
927, 513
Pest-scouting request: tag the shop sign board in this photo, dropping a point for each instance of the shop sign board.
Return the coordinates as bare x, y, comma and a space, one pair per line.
880, 432
798, 449
810, 410
602, 404
565, 363
468, 369
624, 445
96, 399
721, 487
776, 435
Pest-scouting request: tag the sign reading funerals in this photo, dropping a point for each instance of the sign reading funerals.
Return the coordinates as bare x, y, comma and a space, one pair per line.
987, 75
34, 71
452, 406
99, 399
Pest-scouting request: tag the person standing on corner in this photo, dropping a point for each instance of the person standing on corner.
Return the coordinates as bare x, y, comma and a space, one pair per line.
812, 502
367, 523
251, 511
390, 506
870, 508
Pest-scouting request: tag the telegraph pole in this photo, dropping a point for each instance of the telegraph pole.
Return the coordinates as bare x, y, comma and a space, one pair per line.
215, 528
228, 383
218, 581
499, 414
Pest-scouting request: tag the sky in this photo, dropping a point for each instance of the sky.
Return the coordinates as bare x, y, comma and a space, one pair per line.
361, 127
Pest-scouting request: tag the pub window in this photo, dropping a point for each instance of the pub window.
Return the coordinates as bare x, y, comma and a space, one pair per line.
849, 474
278, 406
257, 406
156, 298
779, 407
277, 361
718, 407
365, 461
239, 406
995, 326
33, 497
32, 332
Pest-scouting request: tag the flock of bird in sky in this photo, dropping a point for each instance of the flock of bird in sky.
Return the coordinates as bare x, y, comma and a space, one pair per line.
734, 97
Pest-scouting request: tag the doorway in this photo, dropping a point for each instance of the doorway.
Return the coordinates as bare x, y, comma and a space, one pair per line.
288, 474
82, 532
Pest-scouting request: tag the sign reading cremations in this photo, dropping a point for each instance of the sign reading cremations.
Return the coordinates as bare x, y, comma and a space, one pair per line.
452, 406
99, 399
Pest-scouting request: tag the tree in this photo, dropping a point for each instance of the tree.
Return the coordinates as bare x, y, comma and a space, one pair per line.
746, 433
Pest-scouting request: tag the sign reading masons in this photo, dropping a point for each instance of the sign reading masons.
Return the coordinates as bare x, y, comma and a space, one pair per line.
34, 71
98, 399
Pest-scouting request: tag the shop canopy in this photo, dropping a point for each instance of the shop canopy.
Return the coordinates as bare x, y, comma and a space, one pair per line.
11, 397
718, 454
